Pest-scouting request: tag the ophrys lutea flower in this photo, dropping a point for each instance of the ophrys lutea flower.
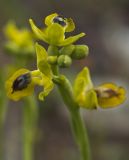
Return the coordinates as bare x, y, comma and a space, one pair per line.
18, 40
23, 81
107, 95
54, 33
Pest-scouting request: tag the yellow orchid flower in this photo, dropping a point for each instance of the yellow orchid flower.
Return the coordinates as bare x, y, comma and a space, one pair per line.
23, 81
19, 41
54, 33
107, 95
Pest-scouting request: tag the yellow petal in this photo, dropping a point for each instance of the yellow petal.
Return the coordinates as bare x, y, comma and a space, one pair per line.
49, 18
70, 25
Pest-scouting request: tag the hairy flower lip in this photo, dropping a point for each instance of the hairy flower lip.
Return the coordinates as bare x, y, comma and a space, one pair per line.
21, 82
106, 93
60, 20
69, 27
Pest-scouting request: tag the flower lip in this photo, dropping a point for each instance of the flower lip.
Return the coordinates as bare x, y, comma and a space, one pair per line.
60, 20
21, 82
106, 93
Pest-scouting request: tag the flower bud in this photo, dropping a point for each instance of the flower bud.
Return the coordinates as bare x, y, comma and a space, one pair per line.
64, 61
52, 60
80, 52
67, 50
52, 50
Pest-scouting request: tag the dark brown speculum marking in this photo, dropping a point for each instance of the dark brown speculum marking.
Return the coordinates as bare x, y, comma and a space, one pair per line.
60, 21
106, 93
21, 82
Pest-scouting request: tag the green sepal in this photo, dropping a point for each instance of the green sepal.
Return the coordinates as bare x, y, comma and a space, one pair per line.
67, 50
80, 51
71, 39
55, 34
40, 34
64, 61
42, 63
83, 90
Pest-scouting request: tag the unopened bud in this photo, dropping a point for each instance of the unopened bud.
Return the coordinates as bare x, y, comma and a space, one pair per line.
52, 60
67, 50
64, 61
80, 52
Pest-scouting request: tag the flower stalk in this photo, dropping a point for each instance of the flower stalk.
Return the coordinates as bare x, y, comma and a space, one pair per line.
30, 117
77, 124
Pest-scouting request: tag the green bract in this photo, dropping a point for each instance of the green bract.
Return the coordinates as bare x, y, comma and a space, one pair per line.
83, 90
42, 63
54, 33
45, 69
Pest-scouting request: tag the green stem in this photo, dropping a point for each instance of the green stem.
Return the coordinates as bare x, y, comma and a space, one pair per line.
78, 127
30, 117
80, 134
3, 111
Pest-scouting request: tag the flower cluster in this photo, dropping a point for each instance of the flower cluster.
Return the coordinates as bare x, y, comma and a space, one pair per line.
61, 52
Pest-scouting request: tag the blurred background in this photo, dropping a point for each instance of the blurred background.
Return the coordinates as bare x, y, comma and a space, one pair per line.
106, 24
